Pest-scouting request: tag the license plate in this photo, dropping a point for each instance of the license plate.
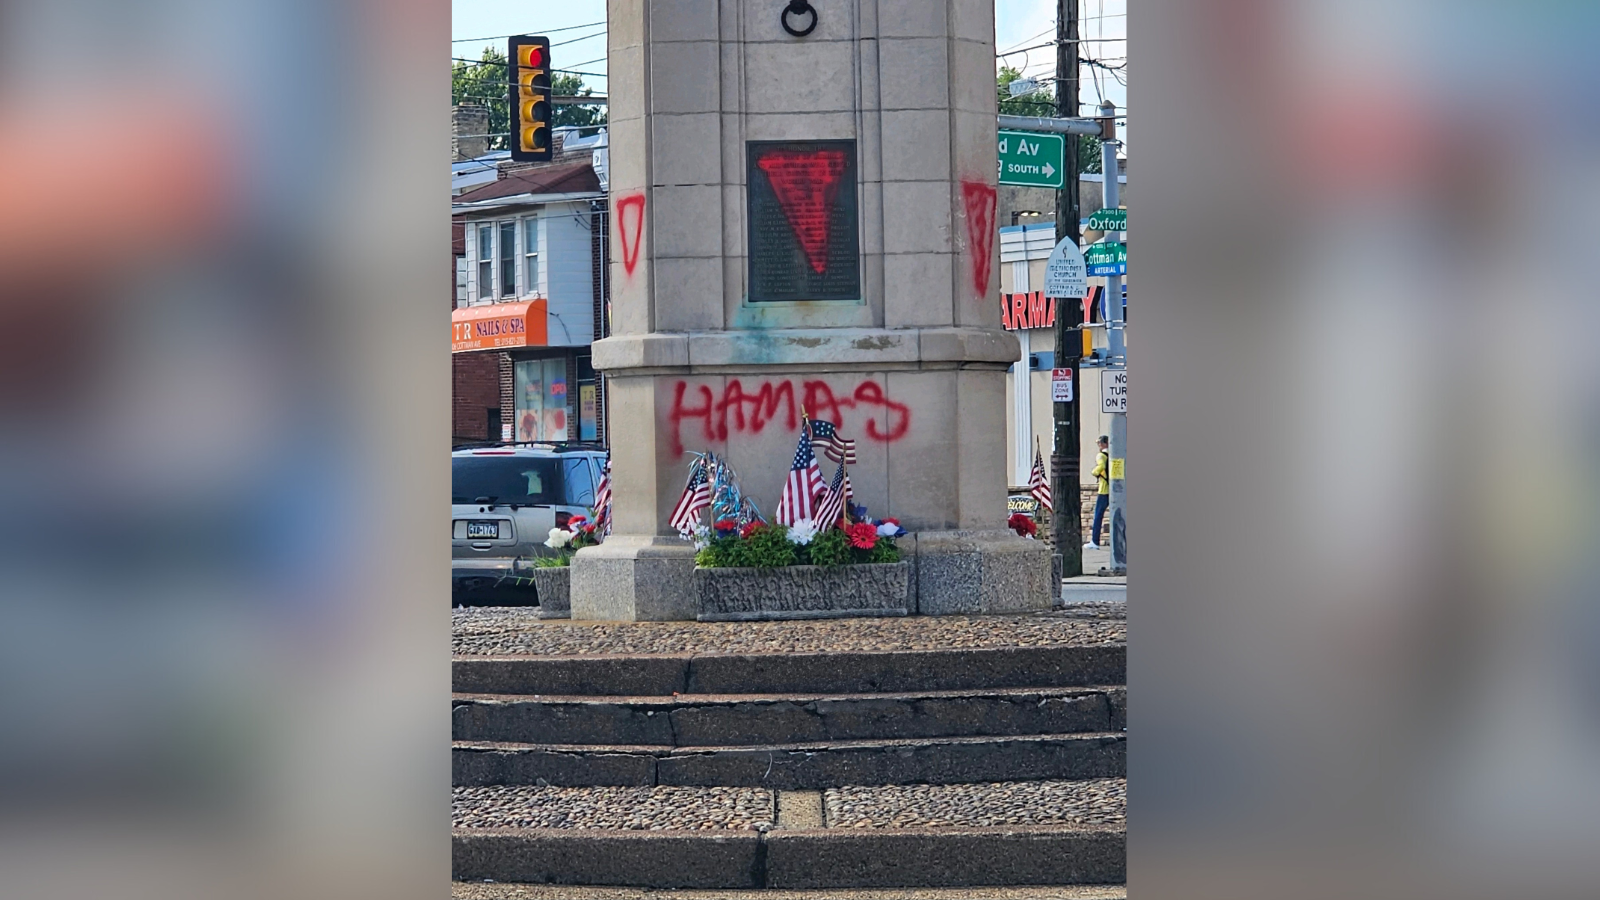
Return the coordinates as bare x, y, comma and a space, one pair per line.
490, 530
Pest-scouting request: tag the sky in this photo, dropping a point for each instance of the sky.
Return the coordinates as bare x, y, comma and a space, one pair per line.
1019, 24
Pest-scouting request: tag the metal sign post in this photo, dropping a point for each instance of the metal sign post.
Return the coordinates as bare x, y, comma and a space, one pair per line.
1117, 364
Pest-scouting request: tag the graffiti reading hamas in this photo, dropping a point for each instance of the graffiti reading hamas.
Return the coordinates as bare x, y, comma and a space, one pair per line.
742, 409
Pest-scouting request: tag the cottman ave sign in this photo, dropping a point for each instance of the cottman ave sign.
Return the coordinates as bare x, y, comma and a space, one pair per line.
1032, 160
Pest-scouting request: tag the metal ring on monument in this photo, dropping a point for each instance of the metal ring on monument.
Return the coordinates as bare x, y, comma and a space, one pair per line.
799, 8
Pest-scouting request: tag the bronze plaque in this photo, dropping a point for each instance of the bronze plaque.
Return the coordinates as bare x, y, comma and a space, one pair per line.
803, 243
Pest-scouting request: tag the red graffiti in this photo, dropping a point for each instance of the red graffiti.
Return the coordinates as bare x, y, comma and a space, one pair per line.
629, 229
806, 184
979, 199
752, 412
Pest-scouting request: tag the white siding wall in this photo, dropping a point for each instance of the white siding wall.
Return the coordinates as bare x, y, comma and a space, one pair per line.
567, 273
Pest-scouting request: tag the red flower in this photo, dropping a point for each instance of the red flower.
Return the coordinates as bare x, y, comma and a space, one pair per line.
1022, 524
725, 525
749, 528
863, 536
575, 521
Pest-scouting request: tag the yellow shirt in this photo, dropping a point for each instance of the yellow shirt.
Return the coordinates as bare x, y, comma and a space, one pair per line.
1102, 471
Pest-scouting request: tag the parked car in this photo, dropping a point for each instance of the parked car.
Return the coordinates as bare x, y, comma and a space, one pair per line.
505, 498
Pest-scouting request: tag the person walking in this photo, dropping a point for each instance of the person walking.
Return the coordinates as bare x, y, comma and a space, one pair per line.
1102, 500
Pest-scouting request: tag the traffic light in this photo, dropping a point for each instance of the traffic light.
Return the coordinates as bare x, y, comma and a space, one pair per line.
531, 109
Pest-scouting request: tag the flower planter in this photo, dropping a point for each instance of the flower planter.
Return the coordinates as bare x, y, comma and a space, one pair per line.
802, 592
555, 598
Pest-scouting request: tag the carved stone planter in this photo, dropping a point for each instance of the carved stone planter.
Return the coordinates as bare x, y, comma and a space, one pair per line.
802, 592
555, 596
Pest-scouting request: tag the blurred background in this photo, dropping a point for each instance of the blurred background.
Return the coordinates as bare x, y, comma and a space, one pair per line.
1364, 461
1365, 617
223, 409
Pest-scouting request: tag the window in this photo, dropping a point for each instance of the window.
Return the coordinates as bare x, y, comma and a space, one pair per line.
485, 262
461, 280
580, 484
530, 255
506, 479
508, 259
541, 394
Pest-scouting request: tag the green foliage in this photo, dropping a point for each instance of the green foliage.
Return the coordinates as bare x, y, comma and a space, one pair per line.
564, 558
766, 548
488, 83
830, 548
885, 551
1041, 103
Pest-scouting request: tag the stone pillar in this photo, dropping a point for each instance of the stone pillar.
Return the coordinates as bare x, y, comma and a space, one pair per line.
857, 166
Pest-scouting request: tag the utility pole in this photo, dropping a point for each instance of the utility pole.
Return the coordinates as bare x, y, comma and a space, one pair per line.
1066, 524
1117, 348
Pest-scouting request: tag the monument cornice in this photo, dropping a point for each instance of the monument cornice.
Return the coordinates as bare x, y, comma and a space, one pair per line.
833, 348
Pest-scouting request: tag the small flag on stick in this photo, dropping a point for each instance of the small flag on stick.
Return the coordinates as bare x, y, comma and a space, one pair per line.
1038, 482
695, 498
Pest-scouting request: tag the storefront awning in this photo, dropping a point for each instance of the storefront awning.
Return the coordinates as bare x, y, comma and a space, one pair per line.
498, 326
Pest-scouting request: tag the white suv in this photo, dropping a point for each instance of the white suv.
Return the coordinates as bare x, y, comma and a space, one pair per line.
505, 498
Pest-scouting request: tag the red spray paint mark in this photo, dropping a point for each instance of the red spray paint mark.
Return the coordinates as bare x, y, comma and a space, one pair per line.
630, 225
807, 184
979, 199
754, 411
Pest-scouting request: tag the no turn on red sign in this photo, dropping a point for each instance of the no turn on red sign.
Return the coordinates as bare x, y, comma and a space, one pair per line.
1114, 391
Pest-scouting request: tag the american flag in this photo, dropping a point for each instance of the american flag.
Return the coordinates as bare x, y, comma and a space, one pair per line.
832, 504
804, 483
835, 447
1038, 484
696, 497
602, 499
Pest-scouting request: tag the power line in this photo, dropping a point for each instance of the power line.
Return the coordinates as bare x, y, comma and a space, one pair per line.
496, 37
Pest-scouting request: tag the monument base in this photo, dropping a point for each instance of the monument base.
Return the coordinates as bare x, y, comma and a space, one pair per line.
634, 579
630, 578
968, 572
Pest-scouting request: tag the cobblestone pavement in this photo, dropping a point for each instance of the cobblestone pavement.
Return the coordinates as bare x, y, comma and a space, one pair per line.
1101, 801
631, 808
1094, 609
492, 631
489, 891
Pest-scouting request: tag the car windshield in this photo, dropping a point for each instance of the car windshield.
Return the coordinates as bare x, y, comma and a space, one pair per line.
529, 480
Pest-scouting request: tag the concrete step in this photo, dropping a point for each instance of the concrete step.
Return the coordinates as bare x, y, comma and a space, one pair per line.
462, 890
846, 672
799, 766
1004, 834
794, 859
732, 719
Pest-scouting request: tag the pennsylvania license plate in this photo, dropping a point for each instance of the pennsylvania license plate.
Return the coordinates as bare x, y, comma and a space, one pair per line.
490, 530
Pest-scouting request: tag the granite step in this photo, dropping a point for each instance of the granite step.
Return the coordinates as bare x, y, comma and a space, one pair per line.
1054, 834
462, 890
843, 672
732, 719
797, 766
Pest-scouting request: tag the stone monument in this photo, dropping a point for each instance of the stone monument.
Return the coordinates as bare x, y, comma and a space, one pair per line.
802, 217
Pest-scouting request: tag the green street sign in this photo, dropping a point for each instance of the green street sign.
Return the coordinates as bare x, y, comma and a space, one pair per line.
1032, 160
1108, 220
1106, 259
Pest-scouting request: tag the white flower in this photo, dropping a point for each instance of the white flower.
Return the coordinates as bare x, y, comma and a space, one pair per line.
702, 536
803, 531
559, 537
888, 529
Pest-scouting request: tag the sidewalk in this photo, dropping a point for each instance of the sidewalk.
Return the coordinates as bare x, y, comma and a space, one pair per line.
1091, 587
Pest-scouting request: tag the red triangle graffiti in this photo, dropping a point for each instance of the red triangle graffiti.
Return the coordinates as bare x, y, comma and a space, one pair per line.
979, 200
806, 184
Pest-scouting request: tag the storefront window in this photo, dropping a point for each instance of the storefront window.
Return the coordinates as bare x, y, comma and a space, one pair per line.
588, 405
541, 390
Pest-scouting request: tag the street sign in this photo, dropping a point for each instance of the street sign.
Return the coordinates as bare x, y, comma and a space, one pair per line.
1064, 273
1032, 160
1107, 259
1108, 220
1060, 385
1114, 391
